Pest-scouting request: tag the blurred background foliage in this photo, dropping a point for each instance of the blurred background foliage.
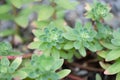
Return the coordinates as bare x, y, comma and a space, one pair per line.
19, 17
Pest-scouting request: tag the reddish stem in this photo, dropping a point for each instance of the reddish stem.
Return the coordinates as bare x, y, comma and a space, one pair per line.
28, 55
85, 67
72, 77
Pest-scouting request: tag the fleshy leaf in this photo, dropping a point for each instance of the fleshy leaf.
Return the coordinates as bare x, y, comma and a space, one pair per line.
34, 45
4, 9
102, 54
16, 3
63, 73
4, 46
104, 65
66, 4
70, 36
20, 74
113, 55
108, 45
7, 32
113, 69
98, 77
15, 64
77, 44
22, 21
58, 63
118, 76
55, 53
68, 45
45, 12
82, 51
5, 61
116, 42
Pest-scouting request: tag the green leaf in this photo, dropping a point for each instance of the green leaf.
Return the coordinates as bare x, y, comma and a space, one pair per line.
4, 46
60, 13
34, 59
109, 17
104, 65
63, 54
108, 45
41, 24
102, 54
78, 25
17, 3
45, 12
77, 44
46, 62
82, 51
3, 69
34, 45
28, 1
49, 76
33, 75
116, 42
98, 77
37, 33
77, 55
113, 55
7, 32
15, 64
6, 16
97, 10
66, 4
63, 73
55, 53
104, 31
44, 46
68, 28
113, 69
71, 53
5, 61
68, 45
59, 23
4, 9
58, 63
22, 20
47, 52
70, 36
116, 34
94, 46
118, 76
20, 74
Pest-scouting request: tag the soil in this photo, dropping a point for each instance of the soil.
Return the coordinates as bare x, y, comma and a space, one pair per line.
86, 69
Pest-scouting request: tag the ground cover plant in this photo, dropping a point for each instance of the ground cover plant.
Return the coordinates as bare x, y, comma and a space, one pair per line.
55, 44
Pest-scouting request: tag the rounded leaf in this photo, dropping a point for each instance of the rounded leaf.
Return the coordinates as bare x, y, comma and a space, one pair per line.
113, 69
63, 73
113, 55
15, 64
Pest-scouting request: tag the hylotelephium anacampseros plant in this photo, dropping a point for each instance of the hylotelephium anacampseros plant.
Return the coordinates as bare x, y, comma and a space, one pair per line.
83, 37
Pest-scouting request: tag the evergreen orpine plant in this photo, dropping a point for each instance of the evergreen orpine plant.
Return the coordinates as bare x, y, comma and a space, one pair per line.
57, 42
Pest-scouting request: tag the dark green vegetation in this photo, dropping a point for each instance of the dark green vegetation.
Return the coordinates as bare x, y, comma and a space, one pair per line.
57, 41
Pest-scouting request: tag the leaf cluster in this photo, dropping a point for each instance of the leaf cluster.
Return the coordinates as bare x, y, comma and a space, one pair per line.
98, 11
58, 41
6, 49
8, 70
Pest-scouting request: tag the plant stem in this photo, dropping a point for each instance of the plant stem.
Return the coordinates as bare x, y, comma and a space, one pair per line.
94, 25
85, 67
53, 4
28, 55
17, 29
15, 14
